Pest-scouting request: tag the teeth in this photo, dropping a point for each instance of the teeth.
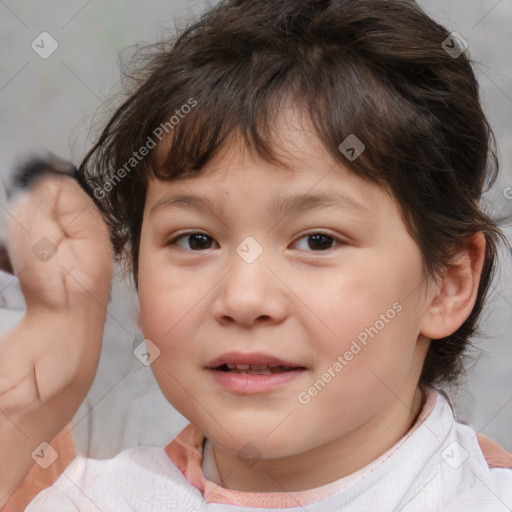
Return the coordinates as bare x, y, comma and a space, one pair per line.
256, 369
264, 371
250, 366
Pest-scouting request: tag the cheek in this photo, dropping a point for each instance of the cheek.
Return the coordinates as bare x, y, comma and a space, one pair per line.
371, 319
166, 295
167, 316
172, 305
350, 304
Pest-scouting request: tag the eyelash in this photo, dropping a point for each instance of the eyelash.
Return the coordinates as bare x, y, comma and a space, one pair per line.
190, 233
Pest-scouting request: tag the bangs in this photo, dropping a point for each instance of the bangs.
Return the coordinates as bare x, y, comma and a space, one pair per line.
247, 100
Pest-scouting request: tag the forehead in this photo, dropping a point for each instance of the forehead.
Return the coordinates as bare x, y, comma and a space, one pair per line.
306, 176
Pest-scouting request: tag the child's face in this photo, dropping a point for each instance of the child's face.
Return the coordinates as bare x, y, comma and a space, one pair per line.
306, 300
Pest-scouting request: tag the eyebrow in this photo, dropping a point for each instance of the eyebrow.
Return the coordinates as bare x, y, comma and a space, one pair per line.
278, 207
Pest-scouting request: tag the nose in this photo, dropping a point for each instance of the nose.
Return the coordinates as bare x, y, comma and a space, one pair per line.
250, 293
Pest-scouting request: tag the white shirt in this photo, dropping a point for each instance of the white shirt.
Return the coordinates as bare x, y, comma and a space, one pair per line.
437, 466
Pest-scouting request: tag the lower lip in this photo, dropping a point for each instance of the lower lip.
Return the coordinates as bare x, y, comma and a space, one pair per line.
249, 384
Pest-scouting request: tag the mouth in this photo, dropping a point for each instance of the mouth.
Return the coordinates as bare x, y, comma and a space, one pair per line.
254, 373
255, 369
255, 363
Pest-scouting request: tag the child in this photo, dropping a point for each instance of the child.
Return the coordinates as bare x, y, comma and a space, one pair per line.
327, 160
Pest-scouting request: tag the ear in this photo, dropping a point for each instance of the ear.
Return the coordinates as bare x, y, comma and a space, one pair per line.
455, 297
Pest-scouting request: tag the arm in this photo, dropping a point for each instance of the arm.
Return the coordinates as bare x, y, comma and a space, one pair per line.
61, 253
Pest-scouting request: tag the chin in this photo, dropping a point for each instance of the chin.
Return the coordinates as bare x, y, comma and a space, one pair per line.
254, 440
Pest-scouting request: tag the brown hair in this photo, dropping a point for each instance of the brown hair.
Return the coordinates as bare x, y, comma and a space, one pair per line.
5, 262
373, 68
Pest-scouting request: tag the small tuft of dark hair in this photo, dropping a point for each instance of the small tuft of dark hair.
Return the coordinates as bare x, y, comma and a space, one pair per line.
27, 173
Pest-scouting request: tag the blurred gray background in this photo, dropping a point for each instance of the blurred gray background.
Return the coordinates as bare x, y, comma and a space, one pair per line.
48, 102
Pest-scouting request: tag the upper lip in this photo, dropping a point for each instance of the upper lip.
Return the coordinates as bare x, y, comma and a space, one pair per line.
253, 358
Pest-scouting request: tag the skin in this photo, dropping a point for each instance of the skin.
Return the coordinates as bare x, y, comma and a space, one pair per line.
297, 302
50, 358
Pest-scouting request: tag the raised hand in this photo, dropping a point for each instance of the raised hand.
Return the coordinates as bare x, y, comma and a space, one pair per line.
61, 252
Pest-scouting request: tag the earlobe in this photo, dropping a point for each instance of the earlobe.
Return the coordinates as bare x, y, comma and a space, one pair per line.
456, 296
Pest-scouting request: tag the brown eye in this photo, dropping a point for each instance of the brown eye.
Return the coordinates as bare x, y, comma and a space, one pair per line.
318, 242
193, 241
